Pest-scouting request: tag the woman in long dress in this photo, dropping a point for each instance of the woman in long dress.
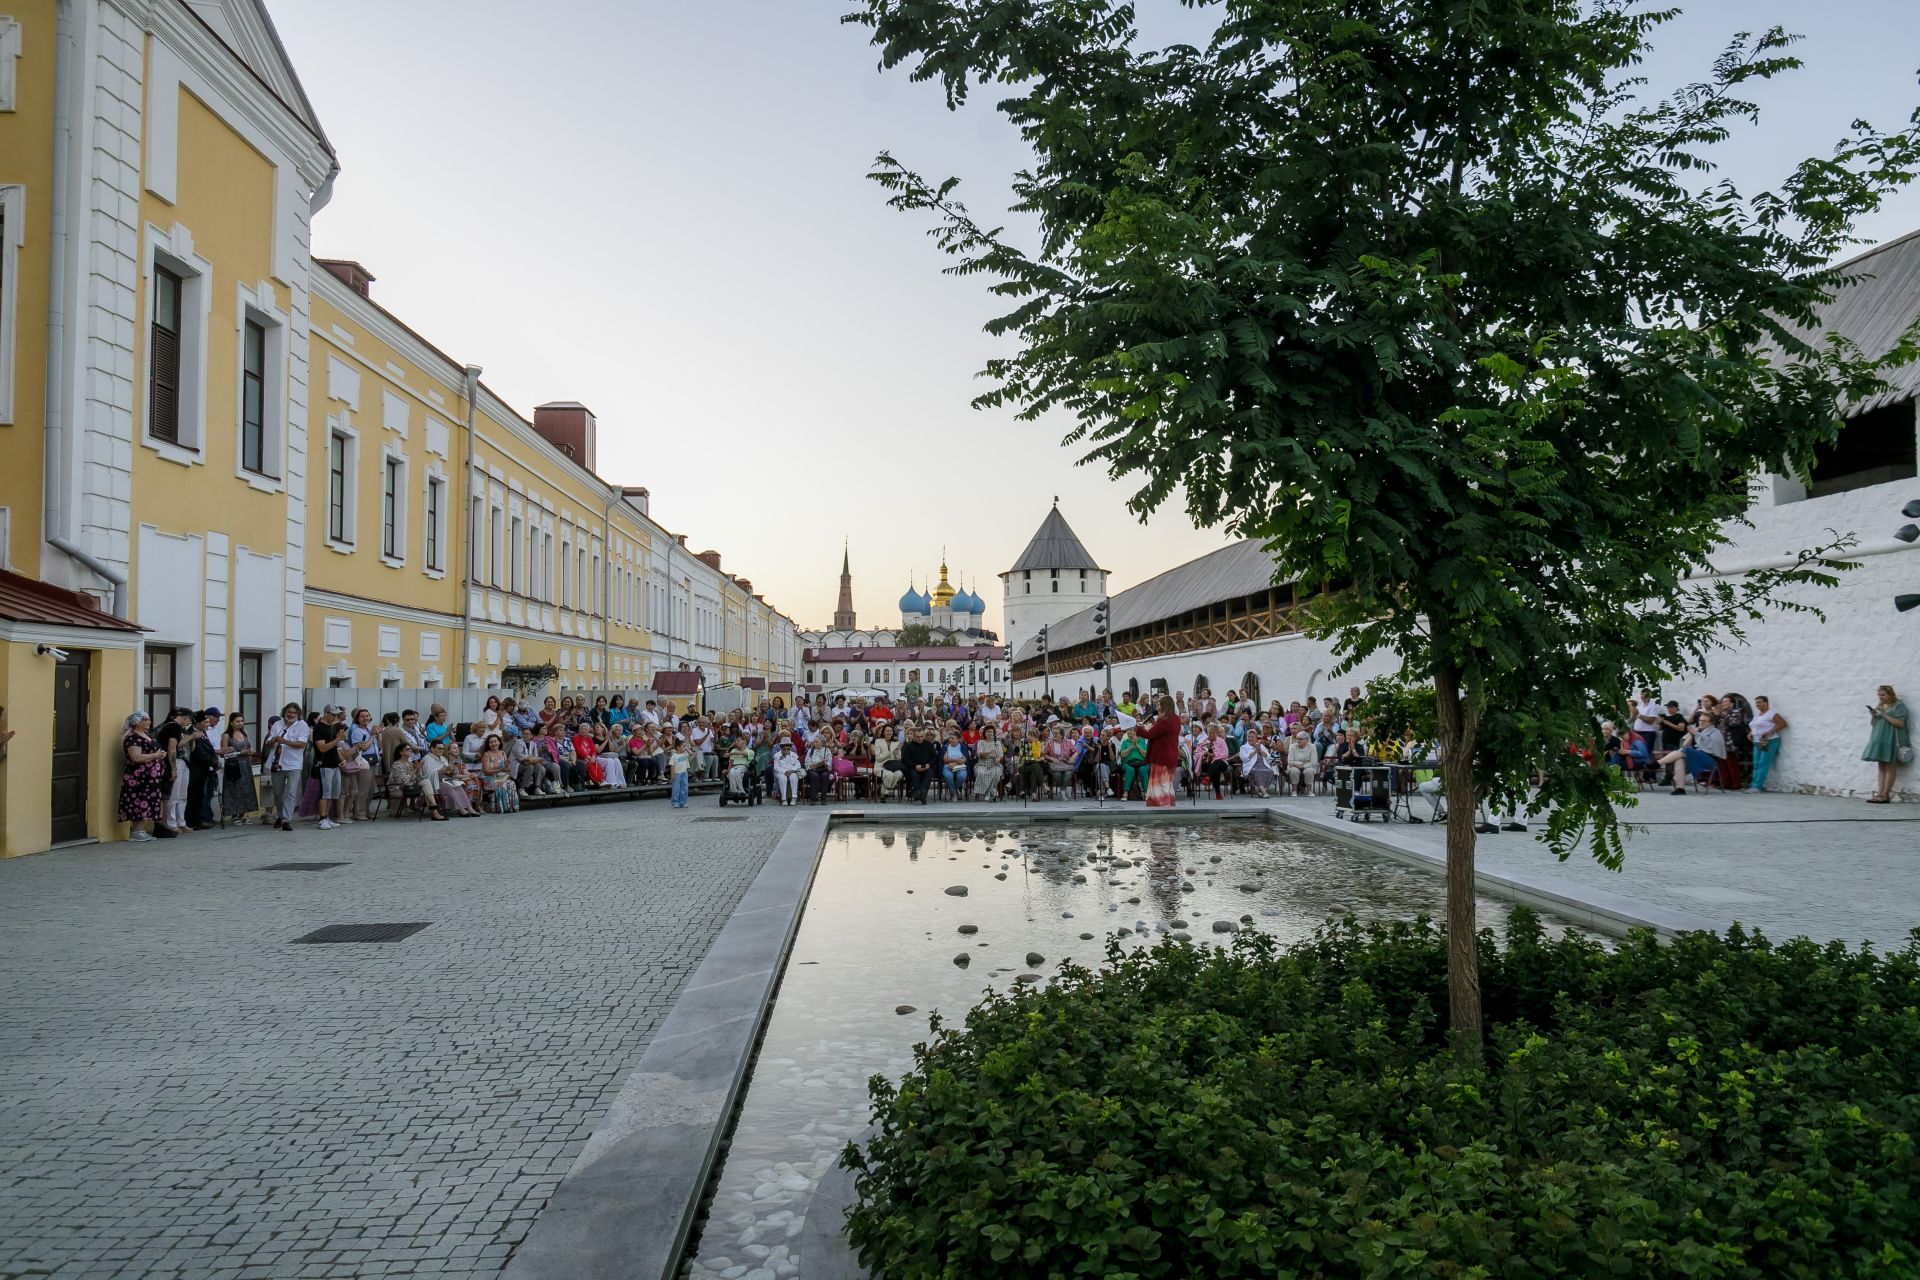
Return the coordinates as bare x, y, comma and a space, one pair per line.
239, 797
1163, 755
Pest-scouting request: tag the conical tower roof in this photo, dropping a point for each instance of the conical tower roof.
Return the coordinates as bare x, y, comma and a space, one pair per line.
1054, 546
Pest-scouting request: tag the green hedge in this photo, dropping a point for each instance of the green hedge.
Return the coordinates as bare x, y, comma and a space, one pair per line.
1710, 1107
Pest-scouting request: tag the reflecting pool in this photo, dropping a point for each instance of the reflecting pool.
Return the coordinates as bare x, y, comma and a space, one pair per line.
901, 922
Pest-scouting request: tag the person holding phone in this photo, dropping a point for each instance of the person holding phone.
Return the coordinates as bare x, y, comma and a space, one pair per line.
1889, 742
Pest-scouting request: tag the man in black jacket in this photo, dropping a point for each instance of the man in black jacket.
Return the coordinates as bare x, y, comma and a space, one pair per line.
203, 769
920, 758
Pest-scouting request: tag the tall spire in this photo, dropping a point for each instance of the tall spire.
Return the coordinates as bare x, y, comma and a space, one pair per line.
843, 614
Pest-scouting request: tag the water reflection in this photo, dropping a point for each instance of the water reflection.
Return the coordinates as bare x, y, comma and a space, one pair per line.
881, 933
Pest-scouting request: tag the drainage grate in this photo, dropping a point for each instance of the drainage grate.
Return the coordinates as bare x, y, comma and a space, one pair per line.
364, 932
302, 866
731, 817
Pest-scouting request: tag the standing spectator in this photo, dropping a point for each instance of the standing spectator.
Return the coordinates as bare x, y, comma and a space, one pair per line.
359, 762
173, 739
239, 797
1765, 729
328, 735
678, 763
1646, 720
140, 794
286, 750
203, 768
1889, 745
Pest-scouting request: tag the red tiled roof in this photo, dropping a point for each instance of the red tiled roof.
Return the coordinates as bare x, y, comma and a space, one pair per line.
676, 682
24, 599
780, 686
753, 682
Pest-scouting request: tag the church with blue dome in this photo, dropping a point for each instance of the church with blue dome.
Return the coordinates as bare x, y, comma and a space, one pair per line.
955, 614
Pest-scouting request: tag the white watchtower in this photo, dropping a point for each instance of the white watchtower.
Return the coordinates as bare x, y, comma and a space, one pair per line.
1054, 578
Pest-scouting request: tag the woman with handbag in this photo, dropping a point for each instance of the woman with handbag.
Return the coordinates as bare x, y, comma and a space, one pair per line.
239, 795
1889, 744
359, 760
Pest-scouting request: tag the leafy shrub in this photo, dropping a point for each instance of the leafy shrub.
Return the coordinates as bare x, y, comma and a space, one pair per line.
1712, 1107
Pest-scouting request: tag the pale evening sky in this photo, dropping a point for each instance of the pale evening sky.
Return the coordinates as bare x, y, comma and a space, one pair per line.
661, 210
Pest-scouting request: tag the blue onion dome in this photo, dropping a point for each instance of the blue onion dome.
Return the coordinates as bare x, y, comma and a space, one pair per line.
979, 605
914, 602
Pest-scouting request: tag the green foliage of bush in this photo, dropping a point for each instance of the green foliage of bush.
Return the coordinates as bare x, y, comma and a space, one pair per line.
1713, 1107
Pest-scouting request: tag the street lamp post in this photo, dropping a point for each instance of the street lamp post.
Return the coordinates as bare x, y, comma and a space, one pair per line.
1908, 533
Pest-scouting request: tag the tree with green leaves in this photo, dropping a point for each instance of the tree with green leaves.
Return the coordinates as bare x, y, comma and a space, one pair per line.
1433, 299
915, 635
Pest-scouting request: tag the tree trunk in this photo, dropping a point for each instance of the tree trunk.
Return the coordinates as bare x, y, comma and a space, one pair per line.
1459, 723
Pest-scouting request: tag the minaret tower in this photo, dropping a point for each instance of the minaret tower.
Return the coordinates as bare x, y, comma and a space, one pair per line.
843, 613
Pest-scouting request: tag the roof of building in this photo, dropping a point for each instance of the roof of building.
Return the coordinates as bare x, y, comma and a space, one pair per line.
1054, 546
1237, 569
24, 599
753, 682
679, 682
900, 653
1876, 309
246, 28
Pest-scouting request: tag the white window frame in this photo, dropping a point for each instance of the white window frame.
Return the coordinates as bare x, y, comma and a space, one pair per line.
9, 62
388, 457
434, 476
13, 234
339, 426
173, 249
259, 305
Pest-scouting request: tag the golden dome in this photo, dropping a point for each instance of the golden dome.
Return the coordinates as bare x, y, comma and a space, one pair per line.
943, 593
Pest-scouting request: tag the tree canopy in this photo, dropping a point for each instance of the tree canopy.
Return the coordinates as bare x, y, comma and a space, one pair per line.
1432, 298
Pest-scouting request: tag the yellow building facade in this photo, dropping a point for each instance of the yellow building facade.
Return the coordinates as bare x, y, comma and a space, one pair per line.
270, 485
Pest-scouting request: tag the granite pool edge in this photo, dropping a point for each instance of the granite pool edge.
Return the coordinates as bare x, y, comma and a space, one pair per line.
628, 1204
1596, 909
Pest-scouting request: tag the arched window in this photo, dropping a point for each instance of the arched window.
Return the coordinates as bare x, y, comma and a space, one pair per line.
1200, 684
1133, 688
868, 677
809, 675
1250, 686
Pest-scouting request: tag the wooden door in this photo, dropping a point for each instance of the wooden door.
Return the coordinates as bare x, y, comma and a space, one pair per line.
70, 747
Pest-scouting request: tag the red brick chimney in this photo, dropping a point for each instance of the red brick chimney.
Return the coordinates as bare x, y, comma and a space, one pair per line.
711, 559
349, 273
570, 426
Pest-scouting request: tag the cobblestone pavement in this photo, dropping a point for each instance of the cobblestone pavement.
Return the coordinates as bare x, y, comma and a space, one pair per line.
185, 1094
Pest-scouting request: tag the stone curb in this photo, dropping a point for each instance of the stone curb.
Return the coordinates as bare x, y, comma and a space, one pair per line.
1590, 908
627, 1205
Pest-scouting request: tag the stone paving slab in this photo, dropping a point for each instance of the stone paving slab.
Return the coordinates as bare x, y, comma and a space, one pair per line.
184, 1093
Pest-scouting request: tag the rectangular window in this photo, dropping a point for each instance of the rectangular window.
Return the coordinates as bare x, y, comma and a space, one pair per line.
337, 487
163, 378
566, 574
495, 552
1872, 448
253, 398
476, 561
436, 489
163, 665
253, 668
516, 580
392, 486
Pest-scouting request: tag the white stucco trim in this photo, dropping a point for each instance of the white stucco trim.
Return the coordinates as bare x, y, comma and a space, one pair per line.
173, 249
13, 221
9, 62
259, 304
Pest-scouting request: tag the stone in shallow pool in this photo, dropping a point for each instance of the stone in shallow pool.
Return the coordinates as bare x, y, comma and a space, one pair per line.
1029, 977
903, 1008
956, 891
1183, 937
999, 875
1225, 926
1086, 937
969, 928
963, 959
1178, 924
1035, 959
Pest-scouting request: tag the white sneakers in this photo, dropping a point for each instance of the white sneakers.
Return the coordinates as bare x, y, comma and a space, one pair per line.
328, 824
140, 835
